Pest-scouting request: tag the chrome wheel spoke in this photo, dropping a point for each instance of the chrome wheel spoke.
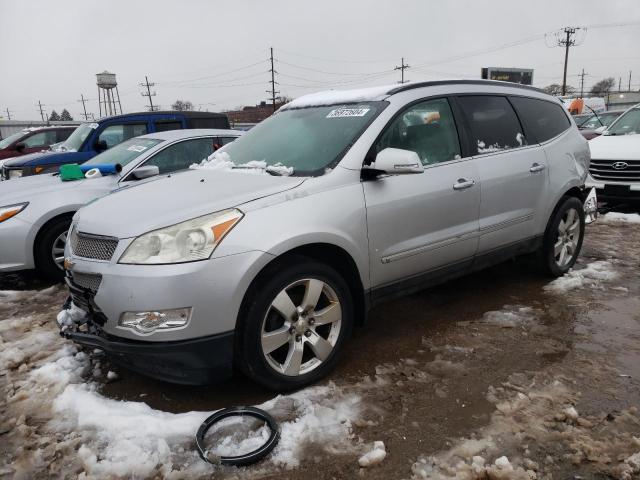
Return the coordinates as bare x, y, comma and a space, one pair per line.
273, 340
293, 362
557, 248
312, 292
57, 251
283, 304
320, 347
562, 226
563, 254
330, 314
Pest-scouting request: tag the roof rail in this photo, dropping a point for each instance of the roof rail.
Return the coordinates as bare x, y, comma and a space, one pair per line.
411, 86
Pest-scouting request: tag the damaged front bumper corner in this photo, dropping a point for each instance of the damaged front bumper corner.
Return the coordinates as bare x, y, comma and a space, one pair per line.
591, 207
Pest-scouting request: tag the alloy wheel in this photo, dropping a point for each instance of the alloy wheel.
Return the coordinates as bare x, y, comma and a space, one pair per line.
57, 250
564, 249
301, 327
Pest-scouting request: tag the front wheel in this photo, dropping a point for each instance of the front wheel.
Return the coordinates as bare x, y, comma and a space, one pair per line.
296, 323
563, 238
49, 249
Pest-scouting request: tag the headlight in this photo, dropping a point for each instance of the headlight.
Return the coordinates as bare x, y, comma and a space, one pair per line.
144, 323
11, 211
185, 242
14, 174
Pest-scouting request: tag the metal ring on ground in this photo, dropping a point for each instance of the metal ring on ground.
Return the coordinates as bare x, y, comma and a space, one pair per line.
247, 458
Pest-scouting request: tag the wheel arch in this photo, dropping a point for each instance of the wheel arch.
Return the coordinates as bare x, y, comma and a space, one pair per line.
40, 231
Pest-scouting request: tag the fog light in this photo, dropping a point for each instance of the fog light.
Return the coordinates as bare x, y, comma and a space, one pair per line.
148, 322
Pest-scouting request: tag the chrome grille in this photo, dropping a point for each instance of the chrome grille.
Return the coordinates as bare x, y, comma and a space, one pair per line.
615, 170
89, 281
93, 247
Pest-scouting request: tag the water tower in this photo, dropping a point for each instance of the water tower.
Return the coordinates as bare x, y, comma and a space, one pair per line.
106, 98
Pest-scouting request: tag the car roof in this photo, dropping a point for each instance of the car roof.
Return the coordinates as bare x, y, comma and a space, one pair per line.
332, 97
192, 132
187, 114
47, 127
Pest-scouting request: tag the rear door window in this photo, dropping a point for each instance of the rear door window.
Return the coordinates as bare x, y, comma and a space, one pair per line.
115, 134
168, 125
542, 120
493, 123
41, 139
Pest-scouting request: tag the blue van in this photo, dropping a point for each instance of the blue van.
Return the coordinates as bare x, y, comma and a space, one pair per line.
91, 138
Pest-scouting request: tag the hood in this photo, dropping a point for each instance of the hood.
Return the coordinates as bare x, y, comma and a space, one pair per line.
133, 211
615, 147
24, 160
26, 188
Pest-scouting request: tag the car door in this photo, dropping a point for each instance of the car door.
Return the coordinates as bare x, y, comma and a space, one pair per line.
512, 171
418, 224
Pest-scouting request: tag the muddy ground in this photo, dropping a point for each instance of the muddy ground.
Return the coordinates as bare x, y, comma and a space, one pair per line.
498, 364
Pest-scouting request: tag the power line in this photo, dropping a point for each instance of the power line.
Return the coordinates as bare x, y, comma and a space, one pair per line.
207, 77
148, 93
402, 68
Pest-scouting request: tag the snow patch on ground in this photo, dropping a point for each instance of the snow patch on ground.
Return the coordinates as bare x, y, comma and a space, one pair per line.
590, 276
511, 316
617, 217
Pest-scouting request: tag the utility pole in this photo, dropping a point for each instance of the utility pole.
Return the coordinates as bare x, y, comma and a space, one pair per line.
83, 100
148, 94
402, 68
619, 84
41, 111
582, 75
9, 113
629, 87
567, 42
273, 83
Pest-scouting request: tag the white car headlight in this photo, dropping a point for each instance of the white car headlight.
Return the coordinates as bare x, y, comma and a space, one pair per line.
15, 174
188, 241
11, 210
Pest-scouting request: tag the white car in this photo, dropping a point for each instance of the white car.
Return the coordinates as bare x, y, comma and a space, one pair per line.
36, 238
615, 160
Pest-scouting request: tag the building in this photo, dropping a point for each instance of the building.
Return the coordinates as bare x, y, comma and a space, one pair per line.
621, 100
252, 114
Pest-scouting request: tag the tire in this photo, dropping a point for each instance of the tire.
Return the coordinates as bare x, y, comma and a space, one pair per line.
562, 243
299, 350
52, 235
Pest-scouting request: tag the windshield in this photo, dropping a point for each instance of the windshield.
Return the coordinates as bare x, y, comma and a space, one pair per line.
605, 119
124, 152
77, 138
302, 141
626, 124
10, 139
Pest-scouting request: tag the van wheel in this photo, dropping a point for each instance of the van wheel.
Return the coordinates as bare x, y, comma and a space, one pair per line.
49, 249
563, 238
296, 323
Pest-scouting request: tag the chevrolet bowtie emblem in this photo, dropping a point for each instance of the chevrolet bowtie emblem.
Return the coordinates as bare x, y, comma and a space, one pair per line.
68, 264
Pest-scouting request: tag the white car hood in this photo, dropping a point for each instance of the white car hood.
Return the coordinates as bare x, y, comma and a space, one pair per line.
615, 147
133, 211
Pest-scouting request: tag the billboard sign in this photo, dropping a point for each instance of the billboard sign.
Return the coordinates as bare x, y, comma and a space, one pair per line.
524, 76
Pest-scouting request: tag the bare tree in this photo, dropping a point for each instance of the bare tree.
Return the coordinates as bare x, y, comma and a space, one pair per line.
556, 89
182, 105
604, 86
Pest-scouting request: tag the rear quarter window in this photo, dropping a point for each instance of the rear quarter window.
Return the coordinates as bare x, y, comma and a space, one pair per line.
208, 122
541, 120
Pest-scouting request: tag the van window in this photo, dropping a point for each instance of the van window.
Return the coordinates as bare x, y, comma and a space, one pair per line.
180, 156
208, 122
494, 124
169, 125
426, 128
115, 134
63, 134
542, 120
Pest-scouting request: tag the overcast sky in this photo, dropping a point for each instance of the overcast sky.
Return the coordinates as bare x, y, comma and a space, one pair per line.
215, 53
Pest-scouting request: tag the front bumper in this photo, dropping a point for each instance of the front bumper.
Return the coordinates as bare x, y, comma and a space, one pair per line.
198, 361
610, 192
14, 253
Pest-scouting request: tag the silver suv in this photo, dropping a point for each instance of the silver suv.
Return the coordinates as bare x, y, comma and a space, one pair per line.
268, 255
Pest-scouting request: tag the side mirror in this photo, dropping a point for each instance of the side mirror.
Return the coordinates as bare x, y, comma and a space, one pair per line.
100, 146
396, 161
145, 171
20, 146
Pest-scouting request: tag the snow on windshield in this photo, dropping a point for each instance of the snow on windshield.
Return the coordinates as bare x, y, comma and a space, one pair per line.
332, 97
221, 160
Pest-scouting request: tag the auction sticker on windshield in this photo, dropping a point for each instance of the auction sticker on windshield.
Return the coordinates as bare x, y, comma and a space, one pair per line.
348, 112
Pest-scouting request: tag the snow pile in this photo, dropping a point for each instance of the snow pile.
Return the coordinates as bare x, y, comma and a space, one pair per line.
221, 160
374, 456
617, 217
590, 276
483, 148
511, 316
334, 97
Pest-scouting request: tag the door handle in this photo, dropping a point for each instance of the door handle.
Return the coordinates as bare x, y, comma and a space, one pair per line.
536, 167
463, 184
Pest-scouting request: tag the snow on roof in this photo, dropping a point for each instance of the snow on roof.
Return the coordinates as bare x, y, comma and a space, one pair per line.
332, 97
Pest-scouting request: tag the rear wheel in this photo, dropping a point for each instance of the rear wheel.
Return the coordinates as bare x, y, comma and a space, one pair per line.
49, 249
563, 238
295, 326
